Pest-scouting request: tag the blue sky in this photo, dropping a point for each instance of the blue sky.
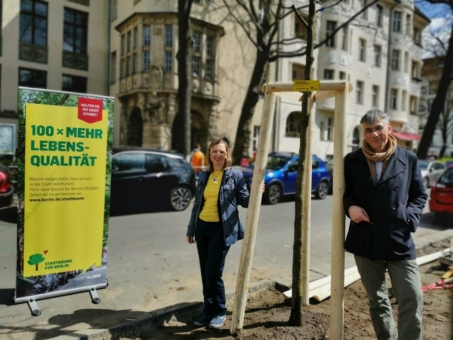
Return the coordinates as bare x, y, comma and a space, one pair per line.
433, 11
441, 21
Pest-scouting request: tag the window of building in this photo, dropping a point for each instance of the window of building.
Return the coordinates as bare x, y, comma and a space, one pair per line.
395, 60
379, 14
377, 55
123, 68
375, 96
75, 31
299, 28
129, 65
135, 62
408, 25
413, 105
210, 58
256, 137
33, 22
196, 58
113, 67
209, 73
359, 92
416, 36
210, 51
396, 24
403, 100
196, 36
135, 37
342, 75
328, 74
298, 71
32, 78
330, 129
292, 124
394, 99
196, 66
363, 4
322, 131
362, 49
123, 44
74, 84
146, 60
146, 35
344, 38
330, 28
406, 62
114, 10
415, 70
168, 61
168, 36
129, 41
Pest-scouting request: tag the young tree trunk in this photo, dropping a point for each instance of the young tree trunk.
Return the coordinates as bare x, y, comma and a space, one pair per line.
438, 103
242, 140
181, 123
295, 318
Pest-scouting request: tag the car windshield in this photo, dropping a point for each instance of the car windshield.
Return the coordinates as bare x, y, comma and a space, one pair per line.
447, 177
423, 165
276, 163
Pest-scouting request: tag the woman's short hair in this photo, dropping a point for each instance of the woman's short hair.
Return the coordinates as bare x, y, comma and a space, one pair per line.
228, 160
373, 116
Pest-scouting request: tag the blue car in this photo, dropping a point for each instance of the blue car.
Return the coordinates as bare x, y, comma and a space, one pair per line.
281, 176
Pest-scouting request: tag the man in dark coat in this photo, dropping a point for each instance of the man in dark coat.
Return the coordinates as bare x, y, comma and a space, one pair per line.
384, 198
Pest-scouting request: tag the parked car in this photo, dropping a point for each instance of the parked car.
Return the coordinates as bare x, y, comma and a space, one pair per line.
6, 187
441, 196
145, 177
431, 171
281, 175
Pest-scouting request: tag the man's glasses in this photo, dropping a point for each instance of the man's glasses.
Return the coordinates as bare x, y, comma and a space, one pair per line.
377, 129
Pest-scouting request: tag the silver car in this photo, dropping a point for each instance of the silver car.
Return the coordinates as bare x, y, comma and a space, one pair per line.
431, 171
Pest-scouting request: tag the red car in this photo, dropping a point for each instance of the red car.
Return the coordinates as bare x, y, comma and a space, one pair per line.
6, 187
441, 198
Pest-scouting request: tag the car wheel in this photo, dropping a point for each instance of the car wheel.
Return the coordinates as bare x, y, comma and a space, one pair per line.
426, 182
273, 194
322, 190
180, 198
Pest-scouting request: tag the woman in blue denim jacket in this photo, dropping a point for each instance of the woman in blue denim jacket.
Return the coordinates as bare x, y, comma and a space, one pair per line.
215, 225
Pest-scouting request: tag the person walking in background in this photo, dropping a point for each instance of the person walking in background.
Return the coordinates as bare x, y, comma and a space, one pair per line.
384, 198
214, 225
197, 160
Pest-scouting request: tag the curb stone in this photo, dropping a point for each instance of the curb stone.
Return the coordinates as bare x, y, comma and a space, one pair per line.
156, 318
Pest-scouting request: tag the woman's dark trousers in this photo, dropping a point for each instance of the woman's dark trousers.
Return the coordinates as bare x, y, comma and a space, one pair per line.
211, 253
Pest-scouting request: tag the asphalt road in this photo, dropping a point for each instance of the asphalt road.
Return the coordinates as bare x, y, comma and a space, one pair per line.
150, 266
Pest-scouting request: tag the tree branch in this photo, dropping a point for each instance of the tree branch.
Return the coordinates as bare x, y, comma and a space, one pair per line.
345, 23
301, 18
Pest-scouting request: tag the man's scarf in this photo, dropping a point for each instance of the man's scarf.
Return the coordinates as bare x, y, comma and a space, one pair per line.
372, 157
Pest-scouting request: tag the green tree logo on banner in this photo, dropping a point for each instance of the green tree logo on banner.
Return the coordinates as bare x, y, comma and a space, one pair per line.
36, 259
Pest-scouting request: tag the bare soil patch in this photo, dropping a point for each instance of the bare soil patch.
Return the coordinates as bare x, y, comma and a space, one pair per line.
268, 311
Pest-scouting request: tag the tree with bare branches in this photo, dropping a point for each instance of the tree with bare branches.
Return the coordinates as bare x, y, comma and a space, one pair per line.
261, 21
442, 91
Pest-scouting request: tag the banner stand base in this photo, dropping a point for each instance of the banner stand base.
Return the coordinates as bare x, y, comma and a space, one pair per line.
94, 296
35, 311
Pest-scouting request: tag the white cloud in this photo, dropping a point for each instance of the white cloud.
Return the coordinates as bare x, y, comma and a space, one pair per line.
438, 29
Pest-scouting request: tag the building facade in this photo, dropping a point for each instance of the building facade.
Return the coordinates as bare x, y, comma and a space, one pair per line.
58, 45
128, 49
380, 54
